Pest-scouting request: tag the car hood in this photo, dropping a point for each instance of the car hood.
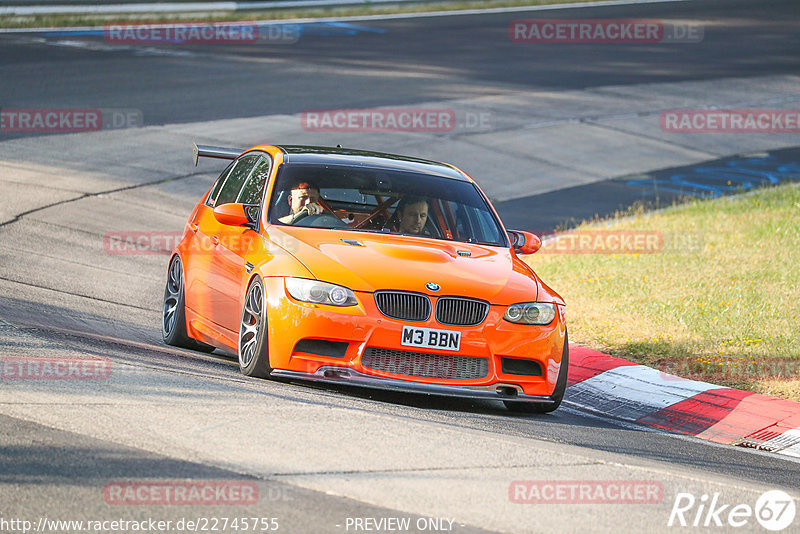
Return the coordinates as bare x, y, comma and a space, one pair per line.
371, 262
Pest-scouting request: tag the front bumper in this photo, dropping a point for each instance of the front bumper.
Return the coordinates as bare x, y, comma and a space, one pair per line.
342, 375
361, 328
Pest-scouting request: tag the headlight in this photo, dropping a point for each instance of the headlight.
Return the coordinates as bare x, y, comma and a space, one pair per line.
320, 292
531, 313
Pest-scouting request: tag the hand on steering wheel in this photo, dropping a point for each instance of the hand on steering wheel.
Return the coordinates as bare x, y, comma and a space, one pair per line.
313, 208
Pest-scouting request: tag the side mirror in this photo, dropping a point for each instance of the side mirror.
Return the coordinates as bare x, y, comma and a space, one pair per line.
524, 242
233, 215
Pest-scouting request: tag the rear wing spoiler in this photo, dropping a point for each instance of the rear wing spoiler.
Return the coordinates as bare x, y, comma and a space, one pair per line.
217, 152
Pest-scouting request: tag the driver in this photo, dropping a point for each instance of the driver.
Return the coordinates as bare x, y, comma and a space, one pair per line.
303, 200
412, 214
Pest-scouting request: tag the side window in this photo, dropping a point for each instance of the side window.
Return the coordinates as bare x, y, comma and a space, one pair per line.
212, 198
253, 190
488, 228
233, 183
462, 228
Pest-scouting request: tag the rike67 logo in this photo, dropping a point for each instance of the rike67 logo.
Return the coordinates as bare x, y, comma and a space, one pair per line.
774, 510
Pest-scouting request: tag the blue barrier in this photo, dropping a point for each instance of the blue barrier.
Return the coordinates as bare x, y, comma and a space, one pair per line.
733, 175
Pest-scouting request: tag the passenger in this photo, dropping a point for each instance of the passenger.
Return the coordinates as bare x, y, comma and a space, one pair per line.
303, 200
412, 214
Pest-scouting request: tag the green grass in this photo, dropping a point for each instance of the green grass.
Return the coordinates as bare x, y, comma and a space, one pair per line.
731, 302
48, 21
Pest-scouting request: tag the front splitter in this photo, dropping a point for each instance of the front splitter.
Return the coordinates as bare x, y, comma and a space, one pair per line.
340, 375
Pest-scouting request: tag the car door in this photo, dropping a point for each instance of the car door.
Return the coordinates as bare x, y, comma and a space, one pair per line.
229, 264
205, 298
197, 259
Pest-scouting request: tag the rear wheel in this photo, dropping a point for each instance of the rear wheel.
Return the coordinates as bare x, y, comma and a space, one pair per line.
253, 346
558, 392
173, 317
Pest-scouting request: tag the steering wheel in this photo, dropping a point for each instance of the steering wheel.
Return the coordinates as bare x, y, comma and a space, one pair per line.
304, 212
323, 219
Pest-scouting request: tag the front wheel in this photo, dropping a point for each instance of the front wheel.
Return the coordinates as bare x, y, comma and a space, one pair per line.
173, 317
558, 391
253, 346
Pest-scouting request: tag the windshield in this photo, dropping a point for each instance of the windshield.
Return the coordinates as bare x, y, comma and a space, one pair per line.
376, 200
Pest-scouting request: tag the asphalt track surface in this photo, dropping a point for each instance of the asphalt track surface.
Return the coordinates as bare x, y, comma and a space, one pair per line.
58, 467
396, 62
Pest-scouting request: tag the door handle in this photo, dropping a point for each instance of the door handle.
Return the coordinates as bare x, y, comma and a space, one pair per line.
215, 240
194, 226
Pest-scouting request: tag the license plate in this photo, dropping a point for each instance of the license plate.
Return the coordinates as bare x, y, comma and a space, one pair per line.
431, 338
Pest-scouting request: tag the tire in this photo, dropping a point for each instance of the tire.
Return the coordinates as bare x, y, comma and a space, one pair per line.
558, 391
173, 316
253, 347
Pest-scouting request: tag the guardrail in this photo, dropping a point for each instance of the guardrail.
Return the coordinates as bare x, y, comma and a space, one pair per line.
53, 7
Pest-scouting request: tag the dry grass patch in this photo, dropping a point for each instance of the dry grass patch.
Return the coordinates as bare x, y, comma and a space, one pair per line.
724, 292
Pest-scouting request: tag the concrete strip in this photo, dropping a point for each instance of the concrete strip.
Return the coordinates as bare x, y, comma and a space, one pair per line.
541, 141
602, 152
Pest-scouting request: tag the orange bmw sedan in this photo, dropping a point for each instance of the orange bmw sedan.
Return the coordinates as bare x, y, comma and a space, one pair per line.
364, 268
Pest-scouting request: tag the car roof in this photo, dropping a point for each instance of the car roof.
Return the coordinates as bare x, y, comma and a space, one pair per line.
319, 155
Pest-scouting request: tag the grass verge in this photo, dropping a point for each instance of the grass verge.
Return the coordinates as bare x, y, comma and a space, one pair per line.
718, 300
72, 20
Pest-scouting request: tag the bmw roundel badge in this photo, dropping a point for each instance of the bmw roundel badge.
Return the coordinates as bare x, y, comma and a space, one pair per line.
432, 286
